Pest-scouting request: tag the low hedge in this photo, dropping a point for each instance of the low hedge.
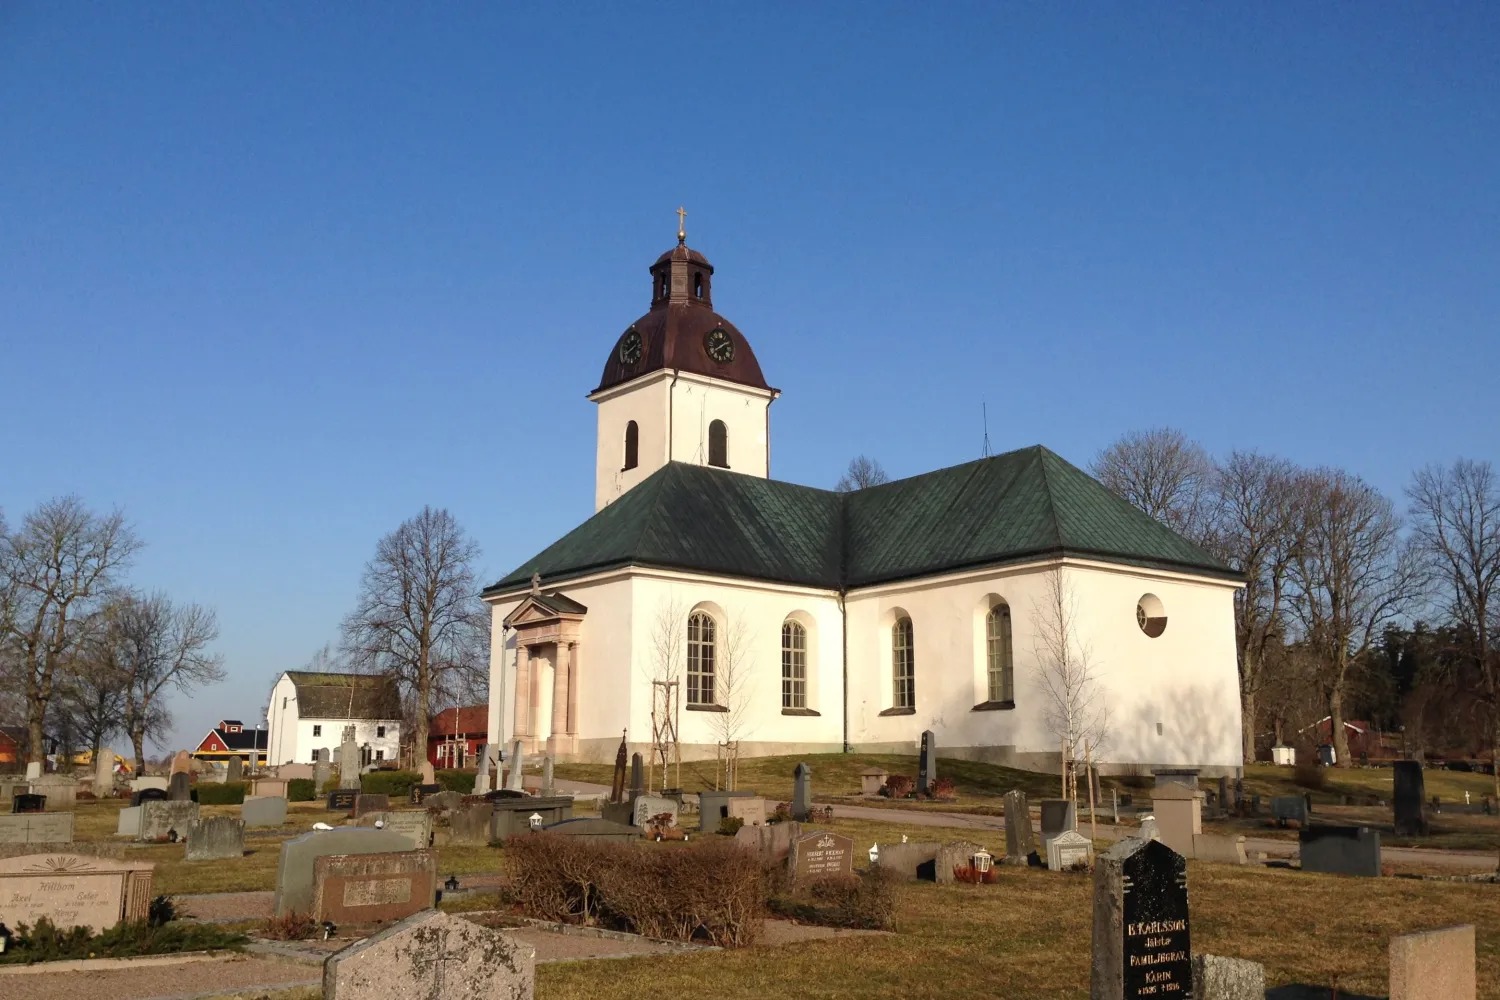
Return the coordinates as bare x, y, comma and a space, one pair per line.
711, 886
227, 794
392, 783
46, 943
300, 790
866, 902
456, 781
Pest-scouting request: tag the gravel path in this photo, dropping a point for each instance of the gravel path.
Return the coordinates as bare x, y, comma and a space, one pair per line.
190, 979
554, 947
227, 905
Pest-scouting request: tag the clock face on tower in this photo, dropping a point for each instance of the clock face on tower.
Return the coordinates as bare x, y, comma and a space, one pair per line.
630, 347
718, 345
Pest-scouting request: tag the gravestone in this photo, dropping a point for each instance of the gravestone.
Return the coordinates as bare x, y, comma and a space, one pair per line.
443, 801
1227, 850
1069, 851
1289, 808
415, 825
147, 781
617, 783
33, 770
912, 860
871, 781
37, 828
482, 772
957, 854
548, 786
1179, 816
429, 774
1020, 838
637, 774
749, 811
1057, 815
371, 802
1433, 965
1340, 850
287, 772
602, 830
1185, 776
470, 824
182, 763
104, 773
322, 774
129, 823
819, 855
927, 763
216, 838
235, 770
517, 767
28, 802
647, 807
349, 765
714, 806
148, 795
271, 787
432, 956
295, 885
181, 787
61, 790
10, 784
513, 816
773, 842
161, 818
263, 810
1149, 829
374, 888
343, 800
1217, 978
1141, 939
73, 890
1223, 793
801, 792
1407, 800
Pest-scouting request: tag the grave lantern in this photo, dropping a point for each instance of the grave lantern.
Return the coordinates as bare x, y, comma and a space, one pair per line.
536, 821
874, 854
982, 861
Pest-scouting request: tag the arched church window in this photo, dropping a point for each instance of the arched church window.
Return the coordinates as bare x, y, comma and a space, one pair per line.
903, 665
632, 445
718, 444
999, 661
701, 651
793, 665
698, 284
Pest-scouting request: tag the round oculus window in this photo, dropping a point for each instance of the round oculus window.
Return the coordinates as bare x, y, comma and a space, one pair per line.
1150, 615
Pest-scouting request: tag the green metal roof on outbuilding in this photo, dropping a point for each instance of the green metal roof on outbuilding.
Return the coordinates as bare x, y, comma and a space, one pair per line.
1021, 505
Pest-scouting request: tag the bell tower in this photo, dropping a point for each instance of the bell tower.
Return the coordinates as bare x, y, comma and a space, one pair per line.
681, 384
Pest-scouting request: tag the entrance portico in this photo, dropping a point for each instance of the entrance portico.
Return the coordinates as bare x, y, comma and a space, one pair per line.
548, 630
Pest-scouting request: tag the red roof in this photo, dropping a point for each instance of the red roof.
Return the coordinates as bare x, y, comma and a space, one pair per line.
470, 720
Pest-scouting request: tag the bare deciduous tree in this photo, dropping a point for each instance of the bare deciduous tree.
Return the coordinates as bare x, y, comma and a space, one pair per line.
59, 565
1456, 524
1074, 706
1259, 533
663, 671
863, 472
419, 618
1164, 473
732, 690
1351, 576
91, 691
157, 646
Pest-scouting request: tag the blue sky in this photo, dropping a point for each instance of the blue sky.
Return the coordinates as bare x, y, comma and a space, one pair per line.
274, 276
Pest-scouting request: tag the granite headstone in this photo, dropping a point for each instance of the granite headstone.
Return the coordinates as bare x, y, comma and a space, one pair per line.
927, 763
801, 792
432, 956
295, 884
1141, 939
1409, 799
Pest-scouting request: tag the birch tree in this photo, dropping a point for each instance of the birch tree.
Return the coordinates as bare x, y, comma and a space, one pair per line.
732, 690
1073, 706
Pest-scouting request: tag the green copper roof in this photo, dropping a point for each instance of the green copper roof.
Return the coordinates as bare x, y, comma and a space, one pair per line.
1016, 506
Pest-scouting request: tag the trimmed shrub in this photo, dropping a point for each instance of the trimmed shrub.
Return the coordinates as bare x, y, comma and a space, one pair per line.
709, 889
866, 901
1309, 774
730, 825
300, 790
393, 783
944, 788
226, 794
898, 786
456, 781
46, 943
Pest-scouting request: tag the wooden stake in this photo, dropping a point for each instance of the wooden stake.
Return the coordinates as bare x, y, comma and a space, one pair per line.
1088, 756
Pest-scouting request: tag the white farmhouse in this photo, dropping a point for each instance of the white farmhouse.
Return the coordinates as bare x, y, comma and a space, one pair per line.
798, 620
311, 711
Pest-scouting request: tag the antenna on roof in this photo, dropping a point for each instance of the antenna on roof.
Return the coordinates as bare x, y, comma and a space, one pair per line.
985, 409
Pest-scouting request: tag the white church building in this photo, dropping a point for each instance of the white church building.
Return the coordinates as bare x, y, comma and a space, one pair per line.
801, 620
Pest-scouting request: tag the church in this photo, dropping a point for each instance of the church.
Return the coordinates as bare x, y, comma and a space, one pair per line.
708, 599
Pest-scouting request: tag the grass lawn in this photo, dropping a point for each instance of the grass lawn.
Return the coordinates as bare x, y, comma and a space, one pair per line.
1029, 936
1268, 779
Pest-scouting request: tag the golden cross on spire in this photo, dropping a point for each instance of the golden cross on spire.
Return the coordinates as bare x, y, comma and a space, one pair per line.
681, 225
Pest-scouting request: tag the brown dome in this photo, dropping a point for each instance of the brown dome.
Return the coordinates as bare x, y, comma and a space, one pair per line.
680, 328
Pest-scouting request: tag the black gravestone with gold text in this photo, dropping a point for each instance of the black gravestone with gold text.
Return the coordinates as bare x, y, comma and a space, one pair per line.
1142, 945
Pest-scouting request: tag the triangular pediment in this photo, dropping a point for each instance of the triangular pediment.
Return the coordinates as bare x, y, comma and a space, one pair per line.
538, 608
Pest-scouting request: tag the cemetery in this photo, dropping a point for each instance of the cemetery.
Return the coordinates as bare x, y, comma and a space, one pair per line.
994, 887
